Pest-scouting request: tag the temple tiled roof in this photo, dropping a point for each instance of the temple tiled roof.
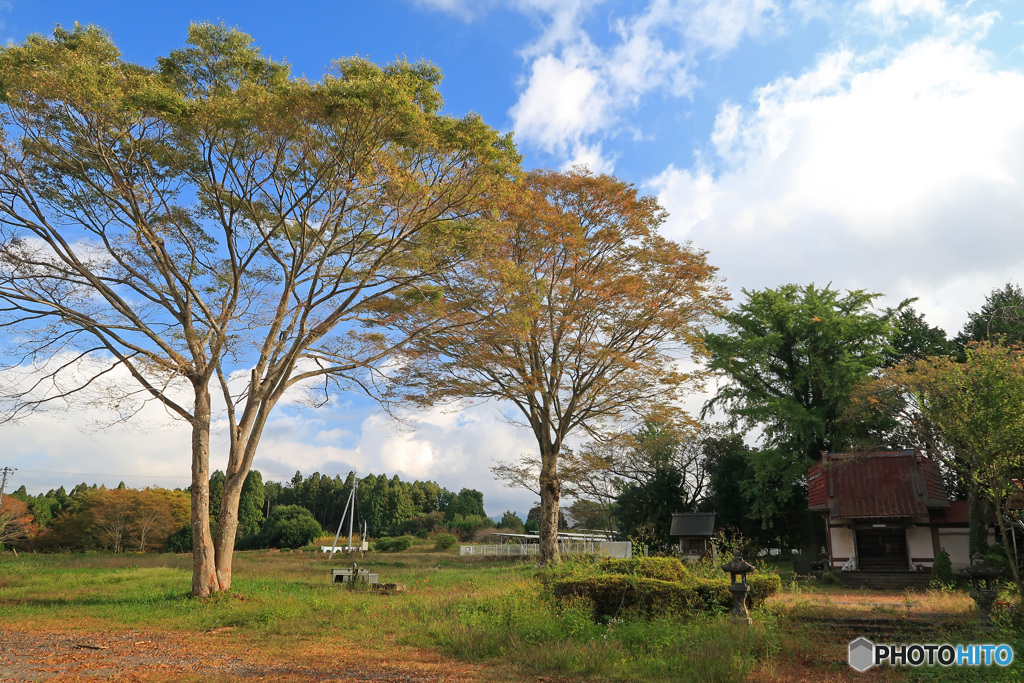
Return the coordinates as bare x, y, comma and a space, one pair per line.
876, 484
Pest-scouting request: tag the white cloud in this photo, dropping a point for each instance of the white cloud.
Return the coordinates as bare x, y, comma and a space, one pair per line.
903, 176
563, 102
891, 16
720, 25
577, 94
87, 442
893, 11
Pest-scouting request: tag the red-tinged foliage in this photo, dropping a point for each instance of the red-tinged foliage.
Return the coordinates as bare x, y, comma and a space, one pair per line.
16, 523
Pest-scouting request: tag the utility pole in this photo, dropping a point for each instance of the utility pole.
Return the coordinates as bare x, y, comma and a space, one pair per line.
352, 513
3, 482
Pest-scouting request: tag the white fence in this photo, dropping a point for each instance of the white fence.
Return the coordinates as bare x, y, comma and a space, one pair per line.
571, 547
502, 549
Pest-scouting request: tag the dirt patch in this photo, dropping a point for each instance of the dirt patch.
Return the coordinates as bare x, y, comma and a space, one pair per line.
32, 655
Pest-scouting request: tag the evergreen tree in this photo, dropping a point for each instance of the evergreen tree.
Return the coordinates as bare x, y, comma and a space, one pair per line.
250, 506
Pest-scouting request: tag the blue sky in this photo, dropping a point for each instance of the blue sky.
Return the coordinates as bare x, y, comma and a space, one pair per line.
874, 144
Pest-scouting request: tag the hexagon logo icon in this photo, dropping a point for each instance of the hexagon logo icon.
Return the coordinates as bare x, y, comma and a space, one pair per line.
862, 654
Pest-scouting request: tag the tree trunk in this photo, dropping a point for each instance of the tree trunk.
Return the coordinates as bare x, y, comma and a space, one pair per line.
227, 527
1005, 533
204, 573
977, 522
550, 499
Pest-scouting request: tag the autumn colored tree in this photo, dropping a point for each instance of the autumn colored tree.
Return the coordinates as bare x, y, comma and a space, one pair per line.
582, 313
16, 523
154, 518
974, 416
113, 514
173, 225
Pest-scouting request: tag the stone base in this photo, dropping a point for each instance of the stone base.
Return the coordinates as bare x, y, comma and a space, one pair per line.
741, 620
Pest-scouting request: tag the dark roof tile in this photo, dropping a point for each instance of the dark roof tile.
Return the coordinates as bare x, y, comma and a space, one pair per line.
692, 524
876, 484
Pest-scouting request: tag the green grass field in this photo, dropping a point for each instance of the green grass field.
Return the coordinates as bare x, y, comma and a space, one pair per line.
487, 611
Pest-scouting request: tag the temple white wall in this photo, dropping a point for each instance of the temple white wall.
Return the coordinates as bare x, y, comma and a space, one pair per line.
919, 544
842, 543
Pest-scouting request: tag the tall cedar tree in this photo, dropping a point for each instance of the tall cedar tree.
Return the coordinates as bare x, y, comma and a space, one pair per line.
584, 312
214, 226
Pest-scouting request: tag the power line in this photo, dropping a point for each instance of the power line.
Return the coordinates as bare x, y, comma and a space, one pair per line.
115, 476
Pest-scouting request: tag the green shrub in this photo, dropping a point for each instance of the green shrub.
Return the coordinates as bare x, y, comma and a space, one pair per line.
663, 568
942, 572
762, 586
614, 594
396, 544
180, 541
829, 578
444, 541
464, 526
996, 557
572, 567
289, 526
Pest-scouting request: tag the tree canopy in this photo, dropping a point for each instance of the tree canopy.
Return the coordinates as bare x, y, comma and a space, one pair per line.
788, 361
215, 227
583, 310
1000, 318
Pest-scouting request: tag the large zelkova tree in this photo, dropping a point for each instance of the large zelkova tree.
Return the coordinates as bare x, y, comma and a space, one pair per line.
585, 314
214, 226
788, 361
969, 415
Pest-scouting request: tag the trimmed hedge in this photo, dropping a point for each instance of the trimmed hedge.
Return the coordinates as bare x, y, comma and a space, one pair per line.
663, 568
612, 594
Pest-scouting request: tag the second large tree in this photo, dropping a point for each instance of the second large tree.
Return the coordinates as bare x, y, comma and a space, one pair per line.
582, 315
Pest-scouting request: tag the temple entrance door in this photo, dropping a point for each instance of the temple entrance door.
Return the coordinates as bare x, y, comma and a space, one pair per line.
882, 550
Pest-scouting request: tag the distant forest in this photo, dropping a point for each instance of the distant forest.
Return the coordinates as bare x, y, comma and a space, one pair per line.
271, 514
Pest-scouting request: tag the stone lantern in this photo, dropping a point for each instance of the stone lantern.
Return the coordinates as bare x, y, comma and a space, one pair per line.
739, 587
983, 588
